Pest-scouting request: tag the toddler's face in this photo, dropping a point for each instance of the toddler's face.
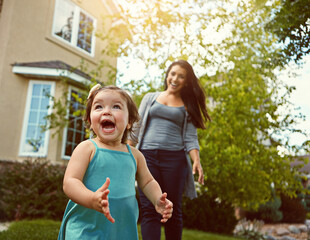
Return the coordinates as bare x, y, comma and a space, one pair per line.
109, 116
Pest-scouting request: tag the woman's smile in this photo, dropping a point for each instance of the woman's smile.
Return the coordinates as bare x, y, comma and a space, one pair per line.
176, 79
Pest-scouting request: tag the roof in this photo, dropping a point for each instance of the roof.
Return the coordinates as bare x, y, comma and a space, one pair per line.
304, 166
50, 70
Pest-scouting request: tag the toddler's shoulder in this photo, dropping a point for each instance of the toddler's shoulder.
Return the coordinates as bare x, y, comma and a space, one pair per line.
136, 153
86, 146
84, 151
87, 142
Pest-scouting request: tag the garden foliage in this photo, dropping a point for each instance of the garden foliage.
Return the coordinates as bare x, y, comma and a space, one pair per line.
32, 189
268, 212
207, 213
250, 230
281, 209
293, 210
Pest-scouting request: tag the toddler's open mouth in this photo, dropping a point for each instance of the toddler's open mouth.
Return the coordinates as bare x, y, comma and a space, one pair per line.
108, 126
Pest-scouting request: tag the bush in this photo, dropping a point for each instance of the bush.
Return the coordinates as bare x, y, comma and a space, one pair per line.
293, 210
208, 214
306, 199
32, 189
268, 212
3, 216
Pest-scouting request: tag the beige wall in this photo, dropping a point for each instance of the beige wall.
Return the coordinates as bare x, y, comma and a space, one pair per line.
26, 36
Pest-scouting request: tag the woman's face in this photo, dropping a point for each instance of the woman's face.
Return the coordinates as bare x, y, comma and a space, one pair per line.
176, 79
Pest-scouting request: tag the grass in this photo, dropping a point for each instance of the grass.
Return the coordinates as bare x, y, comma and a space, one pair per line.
48, 230
31, 230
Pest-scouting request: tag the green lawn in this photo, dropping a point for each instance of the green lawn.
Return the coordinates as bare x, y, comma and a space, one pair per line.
48, 230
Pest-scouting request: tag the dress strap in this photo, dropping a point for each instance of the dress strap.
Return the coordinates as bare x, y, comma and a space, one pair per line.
129, 150
94, 143
132, 157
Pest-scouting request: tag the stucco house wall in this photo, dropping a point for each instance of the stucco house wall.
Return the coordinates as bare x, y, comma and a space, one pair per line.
26, 36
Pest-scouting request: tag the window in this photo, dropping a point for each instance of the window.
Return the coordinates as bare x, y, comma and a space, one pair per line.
34, 141
74, 26
75, 131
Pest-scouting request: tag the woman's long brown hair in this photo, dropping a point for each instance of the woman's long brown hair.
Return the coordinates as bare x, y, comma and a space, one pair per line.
193, 95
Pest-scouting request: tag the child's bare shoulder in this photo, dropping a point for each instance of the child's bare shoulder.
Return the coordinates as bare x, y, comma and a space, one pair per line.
85, 147
136, 153
86, 144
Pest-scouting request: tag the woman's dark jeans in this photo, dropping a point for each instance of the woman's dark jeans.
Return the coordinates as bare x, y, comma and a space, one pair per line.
169, 168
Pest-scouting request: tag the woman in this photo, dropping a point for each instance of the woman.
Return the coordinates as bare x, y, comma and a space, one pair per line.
166, 134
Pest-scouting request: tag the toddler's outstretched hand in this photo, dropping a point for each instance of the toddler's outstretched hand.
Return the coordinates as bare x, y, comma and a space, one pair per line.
103, 201
164, 207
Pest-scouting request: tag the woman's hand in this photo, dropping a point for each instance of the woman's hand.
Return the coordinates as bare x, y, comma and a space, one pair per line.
197, 168
194, 153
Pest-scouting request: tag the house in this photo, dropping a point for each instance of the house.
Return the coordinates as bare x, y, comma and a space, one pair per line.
302, 163
42, 42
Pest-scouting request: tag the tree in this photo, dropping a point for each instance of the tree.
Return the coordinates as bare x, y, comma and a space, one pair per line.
241, 145
291, 23
239, 149
236, 62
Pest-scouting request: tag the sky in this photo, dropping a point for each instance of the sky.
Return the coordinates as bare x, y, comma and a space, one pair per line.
301, 96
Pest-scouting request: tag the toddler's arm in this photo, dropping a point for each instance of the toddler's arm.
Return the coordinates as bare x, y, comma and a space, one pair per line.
74, 187
151, 188
164, 207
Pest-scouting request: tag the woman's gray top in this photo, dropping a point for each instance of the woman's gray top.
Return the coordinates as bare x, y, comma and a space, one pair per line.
164, 128
189, 137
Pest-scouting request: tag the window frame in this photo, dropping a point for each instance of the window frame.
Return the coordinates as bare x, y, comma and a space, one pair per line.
75, 28
23, 153
65, 131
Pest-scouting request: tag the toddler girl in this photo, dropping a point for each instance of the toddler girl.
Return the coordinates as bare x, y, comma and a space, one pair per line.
100, 176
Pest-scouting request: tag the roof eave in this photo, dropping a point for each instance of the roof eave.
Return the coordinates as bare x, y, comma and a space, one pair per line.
50, 73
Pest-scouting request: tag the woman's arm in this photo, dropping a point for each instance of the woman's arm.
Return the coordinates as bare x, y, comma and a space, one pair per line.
192, 147
191, 137
194, 154
136, 127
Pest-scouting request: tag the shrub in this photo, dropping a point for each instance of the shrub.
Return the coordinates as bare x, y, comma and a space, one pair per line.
306, 199
268, 212
3, 216
32, 189
208, 214
293, 210
306, 203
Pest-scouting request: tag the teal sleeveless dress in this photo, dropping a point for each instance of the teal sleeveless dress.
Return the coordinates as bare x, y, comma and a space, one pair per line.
83, 223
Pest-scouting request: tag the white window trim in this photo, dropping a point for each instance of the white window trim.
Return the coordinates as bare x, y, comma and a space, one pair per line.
26, 118
75, 29
64, 139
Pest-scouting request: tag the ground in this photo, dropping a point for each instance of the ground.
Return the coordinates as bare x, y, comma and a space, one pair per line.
300, 236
